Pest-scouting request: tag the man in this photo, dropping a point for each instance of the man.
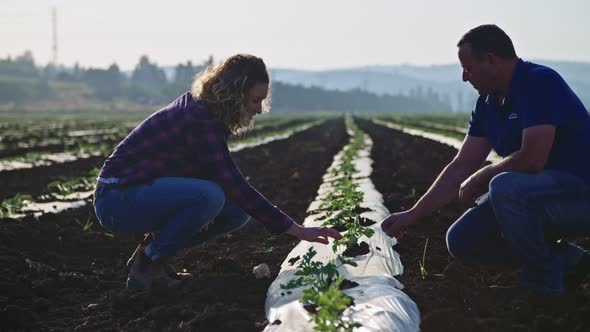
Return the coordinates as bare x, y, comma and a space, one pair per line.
539, 192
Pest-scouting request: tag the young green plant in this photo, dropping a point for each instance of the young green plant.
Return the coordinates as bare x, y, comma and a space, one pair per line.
11, 206
423, 262
322, 293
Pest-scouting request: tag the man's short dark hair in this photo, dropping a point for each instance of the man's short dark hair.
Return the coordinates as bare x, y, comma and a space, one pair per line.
489, 38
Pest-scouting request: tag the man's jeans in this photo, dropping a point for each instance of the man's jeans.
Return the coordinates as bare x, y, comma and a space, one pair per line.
519, 223
176, 208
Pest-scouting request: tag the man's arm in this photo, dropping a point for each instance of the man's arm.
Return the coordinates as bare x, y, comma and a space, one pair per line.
531, 158
469, 159
445, 188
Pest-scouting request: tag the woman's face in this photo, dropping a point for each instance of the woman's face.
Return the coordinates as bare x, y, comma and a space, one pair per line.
256, 96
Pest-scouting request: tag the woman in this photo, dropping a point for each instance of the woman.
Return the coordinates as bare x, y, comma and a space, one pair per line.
173, 174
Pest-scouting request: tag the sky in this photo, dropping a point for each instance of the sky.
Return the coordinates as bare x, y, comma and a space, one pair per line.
302, 34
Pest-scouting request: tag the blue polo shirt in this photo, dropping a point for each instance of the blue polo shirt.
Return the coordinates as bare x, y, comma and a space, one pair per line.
537, 96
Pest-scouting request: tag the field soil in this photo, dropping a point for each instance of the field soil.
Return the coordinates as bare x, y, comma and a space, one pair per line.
33, 181
56, 276
455, 296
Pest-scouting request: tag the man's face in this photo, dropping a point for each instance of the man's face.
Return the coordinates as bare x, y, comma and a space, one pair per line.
479, 71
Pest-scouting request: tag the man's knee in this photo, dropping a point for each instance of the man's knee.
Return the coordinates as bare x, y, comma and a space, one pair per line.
509, 196
457, 241
465, 235
507, 190
503, 184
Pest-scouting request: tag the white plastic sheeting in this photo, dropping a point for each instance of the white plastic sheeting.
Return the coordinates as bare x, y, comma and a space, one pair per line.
379, 303
267, 139
79, 199
63, 157
71, 201
44, 160
493, 157
91, 132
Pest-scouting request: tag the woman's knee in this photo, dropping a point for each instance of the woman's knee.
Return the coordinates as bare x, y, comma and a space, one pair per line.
215, 196
209, 198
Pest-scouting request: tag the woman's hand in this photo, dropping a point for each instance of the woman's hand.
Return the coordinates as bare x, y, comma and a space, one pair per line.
313, 234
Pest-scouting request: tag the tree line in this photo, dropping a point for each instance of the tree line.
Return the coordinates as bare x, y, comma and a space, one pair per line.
21, 81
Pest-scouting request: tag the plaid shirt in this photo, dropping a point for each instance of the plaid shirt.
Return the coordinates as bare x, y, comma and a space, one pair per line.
183, 139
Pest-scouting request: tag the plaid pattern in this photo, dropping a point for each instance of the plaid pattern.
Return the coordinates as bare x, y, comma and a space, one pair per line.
183, 139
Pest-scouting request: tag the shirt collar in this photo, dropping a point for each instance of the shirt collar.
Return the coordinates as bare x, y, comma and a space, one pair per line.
517, 82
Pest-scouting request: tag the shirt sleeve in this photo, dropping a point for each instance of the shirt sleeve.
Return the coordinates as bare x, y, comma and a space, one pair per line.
544, 98
208, 143
476, 123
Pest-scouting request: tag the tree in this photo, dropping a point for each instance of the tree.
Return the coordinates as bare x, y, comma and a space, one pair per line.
148, 76
25, 59
107, 84
183, 74
22, 66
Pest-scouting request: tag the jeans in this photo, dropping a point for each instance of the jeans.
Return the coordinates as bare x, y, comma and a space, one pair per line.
175, 208
520, 222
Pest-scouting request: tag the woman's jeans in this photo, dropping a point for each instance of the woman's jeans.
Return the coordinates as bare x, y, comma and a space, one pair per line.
520, 221
176, 208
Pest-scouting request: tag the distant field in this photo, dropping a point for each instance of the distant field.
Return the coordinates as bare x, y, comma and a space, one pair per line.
448, 124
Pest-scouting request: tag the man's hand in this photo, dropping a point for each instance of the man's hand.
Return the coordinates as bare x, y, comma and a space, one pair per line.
313, 234
395, 224
473, 187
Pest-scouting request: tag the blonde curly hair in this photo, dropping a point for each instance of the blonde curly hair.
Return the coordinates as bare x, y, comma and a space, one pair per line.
224, 88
